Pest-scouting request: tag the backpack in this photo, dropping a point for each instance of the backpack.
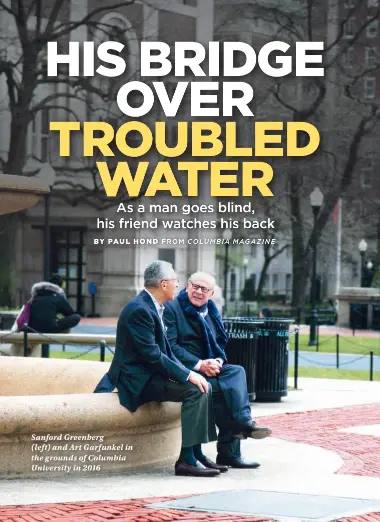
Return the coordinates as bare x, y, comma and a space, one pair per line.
24, 315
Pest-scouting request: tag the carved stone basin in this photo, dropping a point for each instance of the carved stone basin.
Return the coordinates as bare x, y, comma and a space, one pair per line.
18, 192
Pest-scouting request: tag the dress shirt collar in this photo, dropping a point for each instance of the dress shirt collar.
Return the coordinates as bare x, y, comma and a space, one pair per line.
160, 308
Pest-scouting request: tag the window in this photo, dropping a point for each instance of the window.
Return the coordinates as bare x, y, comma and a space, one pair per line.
167, 254
372, 29
369, 88
253, 251
274, 282
349, 4
288, 283
349, 28
348, 58
370, 57
373, 3
288, 251
41, 135
366, 178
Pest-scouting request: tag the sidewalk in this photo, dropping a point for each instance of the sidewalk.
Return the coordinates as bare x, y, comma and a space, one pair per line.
326, 441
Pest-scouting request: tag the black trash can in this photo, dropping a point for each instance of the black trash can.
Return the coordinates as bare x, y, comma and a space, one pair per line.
241, 348
272, 360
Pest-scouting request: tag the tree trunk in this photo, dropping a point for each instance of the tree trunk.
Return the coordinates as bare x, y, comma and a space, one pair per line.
263, 274
300, 274
8, 227
18, 143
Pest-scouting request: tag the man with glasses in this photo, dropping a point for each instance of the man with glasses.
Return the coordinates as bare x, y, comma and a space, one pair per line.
145, 369
197, 337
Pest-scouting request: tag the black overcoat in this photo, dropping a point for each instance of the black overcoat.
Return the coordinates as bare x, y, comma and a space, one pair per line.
143, 358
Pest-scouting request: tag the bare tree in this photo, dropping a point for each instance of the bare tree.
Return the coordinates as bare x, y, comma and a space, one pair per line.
334, 103
30, 25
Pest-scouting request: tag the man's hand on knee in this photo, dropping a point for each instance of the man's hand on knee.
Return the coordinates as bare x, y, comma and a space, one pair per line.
199, 381
210, 367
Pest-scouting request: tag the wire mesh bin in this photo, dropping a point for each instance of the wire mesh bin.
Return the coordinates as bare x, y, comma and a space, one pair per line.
272, 359
241, 348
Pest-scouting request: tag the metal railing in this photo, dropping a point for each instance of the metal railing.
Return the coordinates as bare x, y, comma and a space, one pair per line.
28, 335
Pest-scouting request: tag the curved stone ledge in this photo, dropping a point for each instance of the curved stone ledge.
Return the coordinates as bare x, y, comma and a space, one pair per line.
150, 436
19, 192
49, 376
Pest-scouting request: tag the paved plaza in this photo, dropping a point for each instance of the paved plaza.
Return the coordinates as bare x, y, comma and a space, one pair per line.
326, 442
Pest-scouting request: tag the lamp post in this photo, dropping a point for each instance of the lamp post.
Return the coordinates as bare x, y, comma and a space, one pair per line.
362, 249
316, 201
47, 174
227, 235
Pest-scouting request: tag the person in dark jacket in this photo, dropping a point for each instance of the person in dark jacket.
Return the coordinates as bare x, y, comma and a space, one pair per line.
265, 313
198, 339
49, 301
145, 369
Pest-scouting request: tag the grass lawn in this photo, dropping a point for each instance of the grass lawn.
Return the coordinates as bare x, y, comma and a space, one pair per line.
333, 373
88, 357
352, 344
356, 345
322, 373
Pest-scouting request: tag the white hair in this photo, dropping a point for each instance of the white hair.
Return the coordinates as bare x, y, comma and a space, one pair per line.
205, 276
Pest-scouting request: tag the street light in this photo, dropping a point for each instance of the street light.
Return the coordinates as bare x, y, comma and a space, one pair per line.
227, 235
47, 175
369, 265
316, 201
362, 249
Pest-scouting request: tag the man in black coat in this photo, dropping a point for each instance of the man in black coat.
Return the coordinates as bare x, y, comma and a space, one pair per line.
145, 369
198, 338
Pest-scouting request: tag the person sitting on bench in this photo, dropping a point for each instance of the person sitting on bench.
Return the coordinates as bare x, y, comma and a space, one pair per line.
49, 301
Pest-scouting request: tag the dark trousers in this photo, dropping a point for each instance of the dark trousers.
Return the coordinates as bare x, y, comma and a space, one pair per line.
231, 407
197, 416
67, 322
58, 326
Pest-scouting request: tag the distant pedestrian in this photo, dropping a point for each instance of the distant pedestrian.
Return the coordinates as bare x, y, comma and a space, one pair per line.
265, 313
48, 302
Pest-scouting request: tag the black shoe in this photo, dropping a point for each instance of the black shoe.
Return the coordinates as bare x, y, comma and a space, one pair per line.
210, 464
253, 431
237, 462
199, 470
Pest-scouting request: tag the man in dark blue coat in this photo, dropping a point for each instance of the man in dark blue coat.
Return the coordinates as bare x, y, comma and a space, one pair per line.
197, 337
145, 369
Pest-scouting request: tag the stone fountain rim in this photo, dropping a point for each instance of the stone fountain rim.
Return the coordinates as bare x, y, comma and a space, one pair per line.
14, 183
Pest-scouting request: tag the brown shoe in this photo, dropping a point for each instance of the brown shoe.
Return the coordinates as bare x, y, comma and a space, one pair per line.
199, 470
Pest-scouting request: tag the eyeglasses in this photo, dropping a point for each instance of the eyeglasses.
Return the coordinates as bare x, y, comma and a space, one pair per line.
203, 289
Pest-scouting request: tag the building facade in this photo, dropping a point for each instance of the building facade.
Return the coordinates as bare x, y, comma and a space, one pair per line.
78, 219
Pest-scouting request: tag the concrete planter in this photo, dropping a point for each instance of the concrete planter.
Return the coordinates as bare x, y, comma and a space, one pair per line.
52, 424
